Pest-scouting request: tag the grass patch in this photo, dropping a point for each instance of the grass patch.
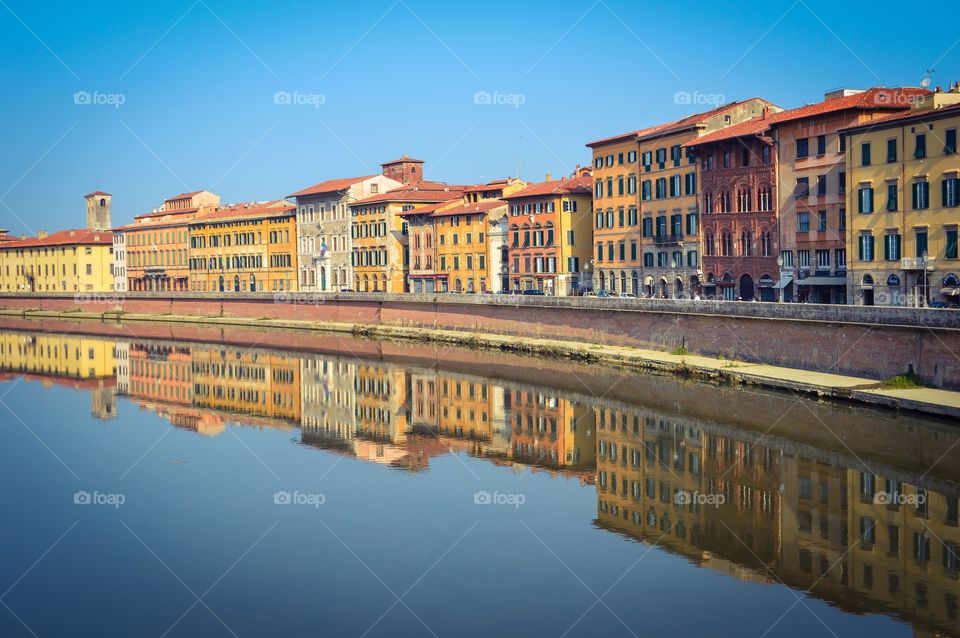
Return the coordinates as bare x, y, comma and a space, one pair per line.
907, 381
682, 350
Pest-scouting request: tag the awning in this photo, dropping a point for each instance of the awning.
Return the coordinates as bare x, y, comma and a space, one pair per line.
950, 292
784, 282
822, 281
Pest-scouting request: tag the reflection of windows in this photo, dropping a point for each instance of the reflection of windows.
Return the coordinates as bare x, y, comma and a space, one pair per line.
867, 530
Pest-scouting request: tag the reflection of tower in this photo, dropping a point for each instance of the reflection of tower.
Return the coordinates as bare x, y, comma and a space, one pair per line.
103, 401
98, 210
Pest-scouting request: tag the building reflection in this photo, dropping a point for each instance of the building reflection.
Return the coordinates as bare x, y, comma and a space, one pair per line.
815, 519
82, 363
868, 543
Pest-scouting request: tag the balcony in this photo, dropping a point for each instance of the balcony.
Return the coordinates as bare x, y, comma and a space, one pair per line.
668, 240
916, 263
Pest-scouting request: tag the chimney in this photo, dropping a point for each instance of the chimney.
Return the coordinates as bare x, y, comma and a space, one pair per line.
548, 177
766, 112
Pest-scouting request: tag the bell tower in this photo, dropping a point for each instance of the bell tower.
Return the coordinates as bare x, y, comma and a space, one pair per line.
98, 210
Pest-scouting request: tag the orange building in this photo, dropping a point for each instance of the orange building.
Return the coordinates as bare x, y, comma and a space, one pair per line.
157, 243
551, 234
248, 247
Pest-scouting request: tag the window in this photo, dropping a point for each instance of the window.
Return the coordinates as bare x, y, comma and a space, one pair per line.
950, 252
803, 148
920, 148
891, 247
823, 260
921, 237
765, 155
921, 195
803, 187
842, 186
803, 258
726, 159
950, 192
866, 248
803, 222
822, 220
865, 199
892, 196
821, 145
632, 157
690, 184
745, 157
822, 185
891, 151
865, 154
950, 144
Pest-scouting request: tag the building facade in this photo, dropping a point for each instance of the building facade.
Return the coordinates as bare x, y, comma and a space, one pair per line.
551, 235
324, 244
904, 199
71, 261
812, 207
646, 204
248, 247
381, 256
157, 245
738, 183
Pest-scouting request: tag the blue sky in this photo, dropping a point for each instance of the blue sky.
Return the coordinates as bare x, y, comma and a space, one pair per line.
374, 79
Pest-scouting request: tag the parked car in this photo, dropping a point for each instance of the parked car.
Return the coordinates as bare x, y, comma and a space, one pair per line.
604, 293
346, 290
534, 292
944, 304
627, 295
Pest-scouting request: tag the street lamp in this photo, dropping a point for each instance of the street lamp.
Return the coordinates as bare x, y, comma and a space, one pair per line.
780, 276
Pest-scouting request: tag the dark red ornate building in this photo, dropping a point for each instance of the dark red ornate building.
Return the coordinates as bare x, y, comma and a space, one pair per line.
738, 177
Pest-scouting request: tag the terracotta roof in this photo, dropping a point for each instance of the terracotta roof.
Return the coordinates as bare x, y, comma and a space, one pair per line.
662, 129
424, 210
877, 98
753, 126
97, 194
556, 186
152, 224
247, 210
416, 192
402, 158
489, 186
164, 213
472, 208
64, 238
330, 186
182, 196
904, 115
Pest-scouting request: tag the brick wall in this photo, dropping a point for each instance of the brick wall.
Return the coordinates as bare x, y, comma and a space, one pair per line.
872, 342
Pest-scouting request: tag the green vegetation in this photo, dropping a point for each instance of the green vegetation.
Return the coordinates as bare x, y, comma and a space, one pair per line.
907, 381
682, 350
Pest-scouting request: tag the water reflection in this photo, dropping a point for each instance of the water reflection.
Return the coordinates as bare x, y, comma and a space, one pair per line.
747, 503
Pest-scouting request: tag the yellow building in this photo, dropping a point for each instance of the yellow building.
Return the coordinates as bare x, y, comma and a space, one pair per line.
462, 250
72, 261
381, 258
248, 247
903, 198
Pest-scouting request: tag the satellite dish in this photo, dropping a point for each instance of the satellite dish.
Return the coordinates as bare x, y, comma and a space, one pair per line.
925, 82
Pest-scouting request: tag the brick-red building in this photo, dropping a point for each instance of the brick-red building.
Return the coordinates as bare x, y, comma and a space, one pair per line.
738, 203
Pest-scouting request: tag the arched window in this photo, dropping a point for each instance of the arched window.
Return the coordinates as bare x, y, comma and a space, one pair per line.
743, 200
708, 246
764, 198
726, 243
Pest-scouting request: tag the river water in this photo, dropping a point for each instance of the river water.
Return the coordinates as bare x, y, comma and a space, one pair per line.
272, 484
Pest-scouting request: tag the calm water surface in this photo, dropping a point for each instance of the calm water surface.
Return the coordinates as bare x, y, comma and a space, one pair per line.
167, 488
